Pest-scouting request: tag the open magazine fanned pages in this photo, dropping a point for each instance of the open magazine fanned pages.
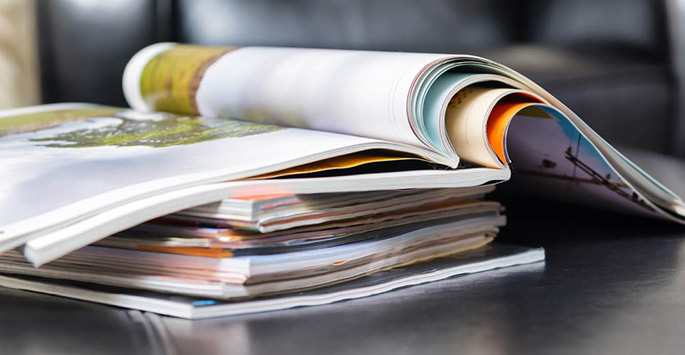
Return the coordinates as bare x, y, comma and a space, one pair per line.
259, 172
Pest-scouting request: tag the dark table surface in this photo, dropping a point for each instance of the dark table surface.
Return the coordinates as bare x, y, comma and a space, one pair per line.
611, 284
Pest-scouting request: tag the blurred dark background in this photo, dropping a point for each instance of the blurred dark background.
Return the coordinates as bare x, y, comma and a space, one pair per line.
617, 63
611, 284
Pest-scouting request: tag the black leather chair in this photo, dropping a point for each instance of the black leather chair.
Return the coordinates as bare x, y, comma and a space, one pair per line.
611, 61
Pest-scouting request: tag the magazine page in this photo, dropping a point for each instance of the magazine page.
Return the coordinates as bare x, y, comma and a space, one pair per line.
549, 154
66, 162
353, 92
562, 164
399, 97
637, 179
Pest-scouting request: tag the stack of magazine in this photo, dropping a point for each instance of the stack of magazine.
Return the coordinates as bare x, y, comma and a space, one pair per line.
253, 179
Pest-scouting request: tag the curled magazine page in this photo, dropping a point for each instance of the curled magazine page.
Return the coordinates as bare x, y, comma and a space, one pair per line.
351, 92
561, 163
642, 183
549, 155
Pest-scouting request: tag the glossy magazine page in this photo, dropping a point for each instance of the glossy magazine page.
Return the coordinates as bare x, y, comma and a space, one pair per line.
67, 162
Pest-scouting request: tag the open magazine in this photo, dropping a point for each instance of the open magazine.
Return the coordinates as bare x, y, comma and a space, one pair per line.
404, 144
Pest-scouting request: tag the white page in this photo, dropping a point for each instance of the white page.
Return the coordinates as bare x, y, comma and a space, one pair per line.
54, 172
353, 92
